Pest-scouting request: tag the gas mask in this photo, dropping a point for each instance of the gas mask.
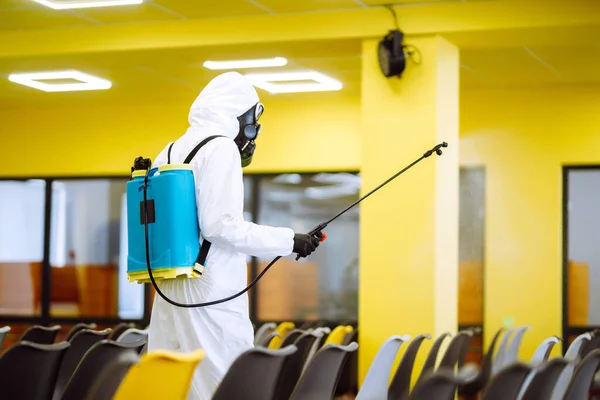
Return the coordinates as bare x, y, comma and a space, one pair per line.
249, 130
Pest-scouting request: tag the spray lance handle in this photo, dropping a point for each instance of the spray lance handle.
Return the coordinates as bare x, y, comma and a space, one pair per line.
317, 233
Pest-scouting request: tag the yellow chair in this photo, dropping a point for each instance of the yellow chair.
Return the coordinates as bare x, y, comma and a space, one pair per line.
338, 334
283, 329
160, 375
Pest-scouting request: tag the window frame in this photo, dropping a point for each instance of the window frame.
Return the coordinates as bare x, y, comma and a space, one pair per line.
568, 330
46, 318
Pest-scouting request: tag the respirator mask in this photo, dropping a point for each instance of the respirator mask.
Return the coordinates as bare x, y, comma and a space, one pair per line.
249, 130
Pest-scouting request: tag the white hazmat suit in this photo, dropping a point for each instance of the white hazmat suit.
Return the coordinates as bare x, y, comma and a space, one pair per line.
223, 331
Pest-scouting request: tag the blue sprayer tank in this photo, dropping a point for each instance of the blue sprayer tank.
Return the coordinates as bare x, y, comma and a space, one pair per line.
172, 224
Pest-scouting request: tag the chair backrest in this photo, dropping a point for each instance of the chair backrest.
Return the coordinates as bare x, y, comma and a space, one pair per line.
542, 353
262, 332
283, 329
338, 334
133, 335
442, 384
400, 385
485, 372
294, 365
431, 360
577, 346
254, 374
544, 379
320, 334
291, 337
457, 350
348, 382
375, 384
322, 374
29, 370
119, 329
41, 334
573, 353
106, 384
507, 383
80, 344
269, 339
160, 375
77, 328
3, 332
592, 345
92, 364
583, 377
498, 362
513, 350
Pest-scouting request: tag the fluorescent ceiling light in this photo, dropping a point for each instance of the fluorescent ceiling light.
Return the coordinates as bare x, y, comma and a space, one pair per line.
320, 82
243, 64
70, 4
38, 80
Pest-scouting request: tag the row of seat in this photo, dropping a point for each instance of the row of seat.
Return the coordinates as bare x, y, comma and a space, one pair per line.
62, 370
503, 376
305, 364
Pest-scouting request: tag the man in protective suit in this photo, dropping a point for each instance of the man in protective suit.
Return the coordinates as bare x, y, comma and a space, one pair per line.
228, 106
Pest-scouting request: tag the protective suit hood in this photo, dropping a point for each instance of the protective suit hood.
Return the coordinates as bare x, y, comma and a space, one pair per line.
217, 107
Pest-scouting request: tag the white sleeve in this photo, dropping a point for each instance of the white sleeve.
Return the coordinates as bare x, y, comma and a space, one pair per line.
220, 199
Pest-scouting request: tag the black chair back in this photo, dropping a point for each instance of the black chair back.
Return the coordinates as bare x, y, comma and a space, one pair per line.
507, 383
108, 381
293, 366
77, 328
28, 370
400, 385
431, 360
483, 377
583, 377
80, 344
322, 374
93, 362
253, 375
41, 334
544, 379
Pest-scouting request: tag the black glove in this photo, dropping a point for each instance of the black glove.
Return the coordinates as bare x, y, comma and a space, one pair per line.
305, 244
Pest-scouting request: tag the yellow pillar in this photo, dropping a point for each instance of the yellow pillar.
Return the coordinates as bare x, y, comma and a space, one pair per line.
409, 230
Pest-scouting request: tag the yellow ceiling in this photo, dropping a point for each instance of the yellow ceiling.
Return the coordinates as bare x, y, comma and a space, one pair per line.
27, 14
502, 56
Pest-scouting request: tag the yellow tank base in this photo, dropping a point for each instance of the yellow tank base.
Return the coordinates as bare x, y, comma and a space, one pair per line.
166, 273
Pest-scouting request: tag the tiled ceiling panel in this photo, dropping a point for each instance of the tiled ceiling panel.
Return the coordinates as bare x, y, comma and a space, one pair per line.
208, 9
131, 13
39, 17
286, 6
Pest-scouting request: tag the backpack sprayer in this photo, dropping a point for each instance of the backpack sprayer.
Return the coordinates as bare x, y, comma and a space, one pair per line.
162, 215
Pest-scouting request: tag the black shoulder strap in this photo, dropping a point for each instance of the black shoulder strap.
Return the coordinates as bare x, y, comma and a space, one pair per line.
197, 148
169, 153
204, 249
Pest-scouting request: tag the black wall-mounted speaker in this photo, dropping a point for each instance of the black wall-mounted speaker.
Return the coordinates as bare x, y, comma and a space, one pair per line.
392, 58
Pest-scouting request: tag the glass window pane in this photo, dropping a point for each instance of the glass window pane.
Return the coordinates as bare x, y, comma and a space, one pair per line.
583, 268
323, 286
21, 246
471, 247
88, 251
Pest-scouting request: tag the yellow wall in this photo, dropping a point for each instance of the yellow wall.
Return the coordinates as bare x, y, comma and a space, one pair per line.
523, 138
299, 134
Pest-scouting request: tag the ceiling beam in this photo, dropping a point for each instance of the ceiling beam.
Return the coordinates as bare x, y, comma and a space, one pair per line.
450, 18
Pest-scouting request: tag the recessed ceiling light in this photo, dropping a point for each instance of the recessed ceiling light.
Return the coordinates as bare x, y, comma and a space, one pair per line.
77, 81
310, 81
70, 4
242, 64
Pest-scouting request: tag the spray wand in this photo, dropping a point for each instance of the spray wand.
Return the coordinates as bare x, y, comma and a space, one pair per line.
316, 232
